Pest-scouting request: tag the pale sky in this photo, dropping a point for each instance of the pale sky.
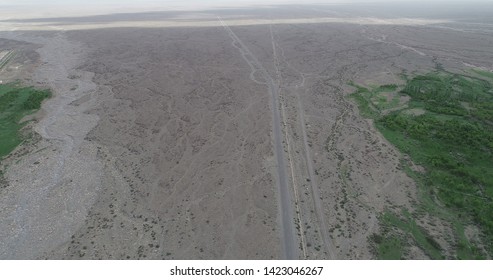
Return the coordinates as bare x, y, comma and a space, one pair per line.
10, 9
56, 8
214, 3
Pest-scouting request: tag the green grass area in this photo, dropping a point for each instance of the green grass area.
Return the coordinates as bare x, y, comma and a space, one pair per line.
453, 140
374, 100
486, 74
390, 249
391, 244
15, 103
408, 225
387, 88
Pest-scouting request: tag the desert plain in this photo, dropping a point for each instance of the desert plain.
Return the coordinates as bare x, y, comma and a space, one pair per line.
218, 134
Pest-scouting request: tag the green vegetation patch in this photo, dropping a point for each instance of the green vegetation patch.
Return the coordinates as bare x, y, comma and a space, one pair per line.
15, 103
486, 74
390, 249
453, 140
391, 243
376, 100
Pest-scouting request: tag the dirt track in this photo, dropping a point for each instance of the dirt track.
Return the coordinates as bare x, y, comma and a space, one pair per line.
179, 142
290, 250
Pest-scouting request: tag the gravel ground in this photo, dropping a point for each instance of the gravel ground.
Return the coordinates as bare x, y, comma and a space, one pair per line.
158, 142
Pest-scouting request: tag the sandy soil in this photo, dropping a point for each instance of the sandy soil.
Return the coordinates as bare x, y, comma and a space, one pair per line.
158, 142
51, 189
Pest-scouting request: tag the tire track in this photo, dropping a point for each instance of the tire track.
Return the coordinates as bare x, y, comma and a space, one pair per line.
289, 243
315, 190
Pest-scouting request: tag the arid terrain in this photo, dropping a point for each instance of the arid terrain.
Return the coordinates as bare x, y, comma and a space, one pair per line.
222, 134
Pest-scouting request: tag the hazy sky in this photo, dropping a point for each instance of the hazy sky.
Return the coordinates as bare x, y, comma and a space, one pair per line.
10, 9
191, 4
13, 10
51, 8
195, 2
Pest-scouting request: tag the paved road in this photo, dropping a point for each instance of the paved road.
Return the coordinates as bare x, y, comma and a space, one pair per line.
289, 240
